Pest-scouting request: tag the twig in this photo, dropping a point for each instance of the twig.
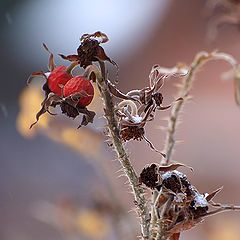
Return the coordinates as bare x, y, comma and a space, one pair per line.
185, 88
123, 158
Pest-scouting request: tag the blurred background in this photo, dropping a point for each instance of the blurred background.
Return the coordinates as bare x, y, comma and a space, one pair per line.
53, 183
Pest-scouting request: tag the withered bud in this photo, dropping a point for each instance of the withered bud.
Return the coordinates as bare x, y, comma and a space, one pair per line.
150, 176
132, 132
158, 97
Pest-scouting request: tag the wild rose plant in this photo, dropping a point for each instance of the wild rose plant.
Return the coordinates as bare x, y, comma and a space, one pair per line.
175, 204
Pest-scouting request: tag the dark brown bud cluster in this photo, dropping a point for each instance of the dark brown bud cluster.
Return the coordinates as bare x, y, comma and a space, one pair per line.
132, 132
179, 205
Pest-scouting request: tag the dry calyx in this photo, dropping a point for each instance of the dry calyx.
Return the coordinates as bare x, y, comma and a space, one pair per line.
178, 206
139, 106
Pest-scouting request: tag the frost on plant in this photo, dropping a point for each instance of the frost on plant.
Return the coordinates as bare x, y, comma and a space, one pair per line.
176, 205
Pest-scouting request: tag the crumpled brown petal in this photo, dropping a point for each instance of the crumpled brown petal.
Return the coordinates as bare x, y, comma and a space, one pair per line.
52, 100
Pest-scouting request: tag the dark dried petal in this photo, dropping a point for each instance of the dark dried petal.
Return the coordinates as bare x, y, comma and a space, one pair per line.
211, 195
150, 176
51, 64
88, 116
152, 146
36, 74
158, 97
198, 212
51, 100
71, 58
69, 110
131, 132
117, 93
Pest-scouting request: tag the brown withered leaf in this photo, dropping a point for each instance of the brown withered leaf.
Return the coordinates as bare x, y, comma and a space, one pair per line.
36, 74
173, 167
50, 101
152, 146
88, 116
71, 58
51, 64
211, 195
117, 93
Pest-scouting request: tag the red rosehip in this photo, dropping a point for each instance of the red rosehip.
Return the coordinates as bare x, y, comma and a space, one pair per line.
80, 84
58, 76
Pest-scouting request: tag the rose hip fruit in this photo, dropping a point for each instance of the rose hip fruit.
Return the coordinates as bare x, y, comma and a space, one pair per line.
80, 84
58, 78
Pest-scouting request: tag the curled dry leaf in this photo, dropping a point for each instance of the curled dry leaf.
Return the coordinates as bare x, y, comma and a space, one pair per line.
211, 195
90, 50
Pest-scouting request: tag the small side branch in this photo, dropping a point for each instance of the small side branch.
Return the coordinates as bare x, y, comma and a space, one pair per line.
185, 88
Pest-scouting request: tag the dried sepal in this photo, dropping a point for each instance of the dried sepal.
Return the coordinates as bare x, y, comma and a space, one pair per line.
117, 93
68, 105
52, 100
36, 74
211, 195
150, 144
51, 63
71, 58
172, 167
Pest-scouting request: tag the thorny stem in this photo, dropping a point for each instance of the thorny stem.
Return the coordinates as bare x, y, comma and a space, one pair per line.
123, 158
174, 116
183, 93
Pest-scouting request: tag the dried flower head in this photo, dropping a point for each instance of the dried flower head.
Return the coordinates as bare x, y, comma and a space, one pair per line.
90, 50
179, 206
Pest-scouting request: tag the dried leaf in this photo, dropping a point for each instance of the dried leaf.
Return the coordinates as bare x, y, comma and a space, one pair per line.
117, 93
36, 74
173, 167
51, 64
50, 101
177, 71
88, 116
71, 58
152, 146
211, 195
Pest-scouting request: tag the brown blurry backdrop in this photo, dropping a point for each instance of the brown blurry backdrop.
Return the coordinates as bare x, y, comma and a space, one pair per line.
142, 34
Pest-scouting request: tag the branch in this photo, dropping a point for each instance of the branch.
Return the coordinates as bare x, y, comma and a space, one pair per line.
123, 158
200, 59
